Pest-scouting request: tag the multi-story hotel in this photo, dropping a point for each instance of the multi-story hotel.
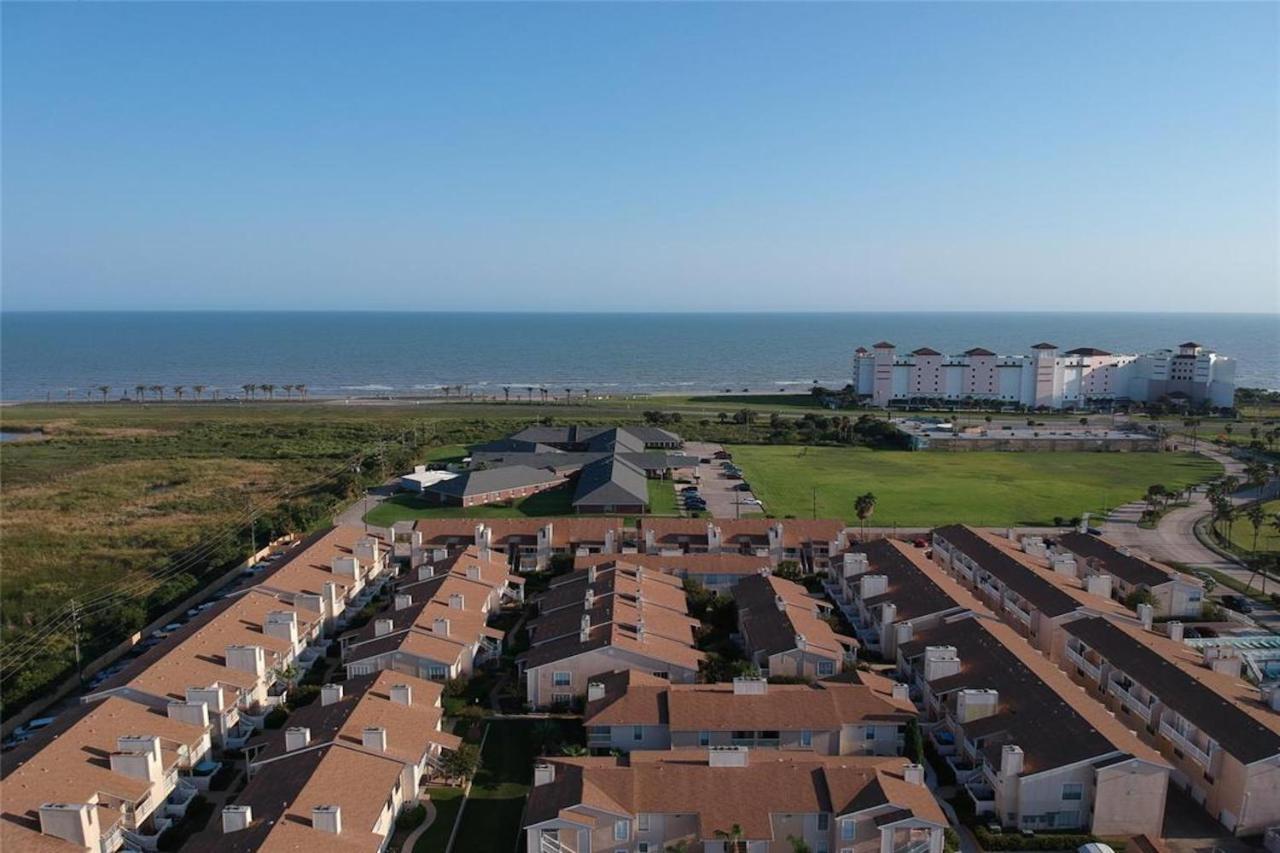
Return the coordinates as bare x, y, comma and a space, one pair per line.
1044, 376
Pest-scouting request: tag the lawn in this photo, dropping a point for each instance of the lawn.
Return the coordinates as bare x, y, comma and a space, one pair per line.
1268, 535
403, 507
662, 498
491, 819
928, 489
447, 802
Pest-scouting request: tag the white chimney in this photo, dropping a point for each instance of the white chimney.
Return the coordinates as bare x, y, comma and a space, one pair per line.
138, 757
366, 550
901, 691
1010, 760
913, 774
382, 627
589, 600
192, 713
440, 626
347, 567
309, 601
584, 628
595, 691
236, 818
781, 603
640, 630
727, 756
402, 694
456, 601
940, 662
1223, 659
375, 738
1099, 585
1146, 613
855, 563
403, 601
873, 585
975, 704
296, 737
426, 571
1175, 631
249, 659
713, 539
211, 696
1064, 564
592, 574
801, 642
484, 539
1033, 546
282, 624
327, 819
330, 693
743, 686
544, 773
76, 823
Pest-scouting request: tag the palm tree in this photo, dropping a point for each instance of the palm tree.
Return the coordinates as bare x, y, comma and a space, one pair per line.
723, 417
864, 506
506, 393
734, 841
568, 396
529, 390
301, 388
1257, 473
248, 388
158, 390
1192, 424
215, 395
178, 390
288, 391
1257, 517
199, 389
269, 389
104, 390
586, 394
141, 391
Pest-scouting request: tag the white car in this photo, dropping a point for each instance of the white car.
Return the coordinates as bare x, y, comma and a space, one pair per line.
752, 502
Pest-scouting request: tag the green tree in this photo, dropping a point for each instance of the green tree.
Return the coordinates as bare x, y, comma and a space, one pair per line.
864, 506
461, 764
734, 839
1257, 517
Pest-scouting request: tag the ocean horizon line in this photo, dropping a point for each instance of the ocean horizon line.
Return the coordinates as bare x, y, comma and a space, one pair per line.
1004, 312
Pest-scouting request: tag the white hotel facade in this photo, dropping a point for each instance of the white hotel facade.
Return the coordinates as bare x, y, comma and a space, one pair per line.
1044, 376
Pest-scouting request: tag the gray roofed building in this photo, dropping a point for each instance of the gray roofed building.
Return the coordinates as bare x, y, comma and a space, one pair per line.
609, 485
486, 485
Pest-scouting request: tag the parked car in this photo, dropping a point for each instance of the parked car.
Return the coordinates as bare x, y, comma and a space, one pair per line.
733, 475
920, 542
689, 490
1238, 603
751, 502
744, 486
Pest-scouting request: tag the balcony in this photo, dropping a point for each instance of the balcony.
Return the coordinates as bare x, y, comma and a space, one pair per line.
982, 794
1022, 615
963, 768
943, 741
1135, 705
1185, 745
1080, 661
599, 736
176, 805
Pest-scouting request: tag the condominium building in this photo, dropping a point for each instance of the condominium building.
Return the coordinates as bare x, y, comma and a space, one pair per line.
859, 713
785, 631
116, 777
1207, 721
719, 573
808, 542
732, 799
437, 625
888, 591
528, 543
603, 618
1027, 746
1085, 556
1045, 377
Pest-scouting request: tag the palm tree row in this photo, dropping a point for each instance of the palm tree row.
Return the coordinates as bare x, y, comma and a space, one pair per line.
157, 392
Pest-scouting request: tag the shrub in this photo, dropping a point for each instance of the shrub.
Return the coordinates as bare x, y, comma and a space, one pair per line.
275, 719
411, 818
303, 695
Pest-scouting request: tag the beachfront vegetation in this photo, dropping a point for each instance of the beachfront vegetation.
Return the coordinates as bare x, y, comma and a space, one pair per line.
932, 488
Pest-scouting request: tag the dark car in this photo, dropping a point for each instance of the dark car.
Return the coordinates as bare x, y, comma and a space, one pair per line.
1238, 603
689, 489
743, 487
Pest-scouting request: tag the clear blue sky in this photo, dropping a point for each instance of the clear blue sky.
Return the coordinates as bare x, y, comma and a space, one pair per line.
806, 157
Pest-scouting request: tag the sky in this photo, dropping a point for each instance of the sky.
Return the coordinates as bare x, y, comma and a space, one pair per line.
1030, 156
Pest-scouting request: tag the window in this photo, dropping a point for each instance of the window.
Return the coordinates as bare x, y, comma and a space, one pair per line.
561, 679
1072, 791
806, 737
642, 847
637, 732
662, 674
622, 830
561, 698
823, 819
642, 823
826, 667
847, 828
436, 671
869, 733
704, 738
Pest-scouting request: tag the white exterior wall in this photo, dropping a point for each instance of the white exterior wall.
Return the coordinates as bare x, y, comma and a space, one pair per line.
1045, 378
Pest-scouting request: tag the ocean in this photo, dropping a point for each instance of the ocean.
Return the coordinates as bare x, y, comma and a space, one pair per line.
45, 355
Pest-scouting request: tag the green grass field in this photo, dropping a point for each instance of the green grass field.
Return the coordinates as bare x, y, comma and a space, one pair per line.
407, 506
928, 489
1268, 536
662, 498
447, 802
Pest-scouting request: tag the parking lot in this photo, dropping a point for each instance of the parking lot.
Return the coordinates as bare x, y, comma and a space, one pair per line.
725, 495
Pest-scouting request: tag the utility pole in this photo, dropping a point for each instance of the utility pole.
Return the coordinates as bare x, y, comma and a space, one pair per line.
75, 627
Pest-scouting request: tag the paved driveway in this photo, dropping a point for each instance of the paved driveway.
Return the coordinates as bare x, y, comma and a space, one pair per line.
723, 498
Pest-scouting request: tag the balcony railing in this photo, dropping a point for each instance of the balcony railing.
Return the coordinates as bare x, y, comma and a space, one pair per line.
1139, 708
1185, 745
1017, 611
1089, 669
982, 794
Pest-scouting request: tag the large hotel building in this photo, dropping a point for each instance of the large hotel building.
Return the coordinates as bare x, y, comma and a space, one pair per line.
1045, 376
